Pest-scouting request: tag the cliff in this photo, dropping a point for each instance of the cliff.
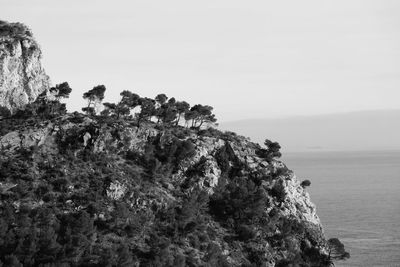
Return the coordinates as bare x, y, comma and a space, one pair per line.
89, 190
22, 77
109, 192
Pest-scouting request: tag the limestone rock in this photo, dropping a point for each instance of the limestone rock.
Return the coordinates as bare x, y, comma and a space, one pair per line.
116, 190
27, 138
114, 140
22, 77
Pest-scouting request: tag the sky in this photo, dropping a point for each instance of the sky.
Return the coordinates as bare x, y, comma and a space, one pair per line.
350, 131
247, 59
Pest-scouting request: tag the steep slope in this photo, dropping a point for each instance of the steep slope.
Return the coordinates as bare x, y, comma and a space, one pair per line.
91, 191
22, 77
87, 190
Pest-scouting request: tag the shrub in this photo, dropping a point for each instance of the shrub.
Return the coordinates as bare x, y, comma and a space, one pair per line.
278, 191
336, 250
172, 152
271, 152
60, 184
245, 232
305, 183
214, 256
240, 200
4, 112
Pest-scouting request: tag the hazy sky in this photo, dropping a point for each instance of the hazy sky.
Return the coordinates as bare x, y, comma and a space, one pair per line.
248, 59
352, 131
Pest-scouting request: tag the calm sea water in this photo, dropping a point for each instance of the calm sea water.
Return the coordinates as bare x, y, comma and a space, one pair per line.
357, 195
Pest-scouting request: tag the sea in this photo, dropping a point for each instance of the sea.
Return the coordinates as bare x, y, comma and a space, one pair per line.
357, 195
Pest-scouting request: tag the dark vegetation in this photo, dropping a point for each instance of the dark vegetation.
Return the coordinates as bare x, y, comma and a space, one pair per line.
11, 32
305, 183
336, 250
57, 207
166, 111
15, 30
272, 150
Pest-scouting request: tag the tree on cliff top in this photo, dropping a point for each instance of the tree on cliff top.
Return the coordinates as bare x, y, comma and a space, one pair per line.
161, 99
129, 99
61, 90
166, 110
97, 93
128, 102
181, 108
273, 148
200, 114
148, 109
94, 95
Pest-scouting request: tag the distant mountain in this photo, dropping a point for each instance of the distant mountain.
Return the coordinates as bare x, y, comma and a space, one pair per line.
363, 130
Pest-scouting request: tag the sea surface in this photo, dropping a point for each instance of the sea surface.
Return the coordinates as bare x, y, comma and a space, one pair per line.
357, 195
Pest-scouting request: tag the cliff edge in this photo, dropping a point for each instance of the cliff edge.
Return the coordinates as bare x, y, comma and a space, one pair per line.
151, 196
117, 189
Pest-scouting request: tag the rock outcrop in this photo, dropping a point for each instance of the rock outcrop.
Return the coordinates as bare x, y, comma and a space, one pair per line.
286, 231
22, 77
85, 190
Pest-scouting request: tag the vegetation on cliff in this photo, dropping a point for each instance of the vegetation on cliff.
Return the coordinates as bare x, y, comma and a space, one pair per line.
132, 186
142, 182
14, 30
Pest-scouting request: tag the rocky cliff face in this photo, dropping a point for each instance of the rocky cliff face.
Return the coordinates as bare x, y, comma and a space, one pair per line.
196, 197
78, 190
22, 77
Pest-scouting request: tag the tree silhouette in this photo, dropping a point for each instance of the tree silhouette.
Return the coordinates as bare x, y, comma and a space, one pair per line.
129, 99
272, 150
92, 96
190, 115
200, 114
181, 108
161, 99
148, 109
61, 90
172, 101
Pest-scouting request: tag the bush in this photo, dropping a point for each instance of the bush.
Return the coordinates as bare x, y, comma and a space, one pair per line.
174, 151
305, 183
278, 191
245, 232
4, 112
336, 250
42, 108
241, 201
271, 152
60, 184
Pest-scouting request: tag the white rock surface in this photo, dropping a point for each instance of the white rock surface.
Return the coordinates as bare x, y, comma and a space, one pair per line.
22, 77
116, 190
